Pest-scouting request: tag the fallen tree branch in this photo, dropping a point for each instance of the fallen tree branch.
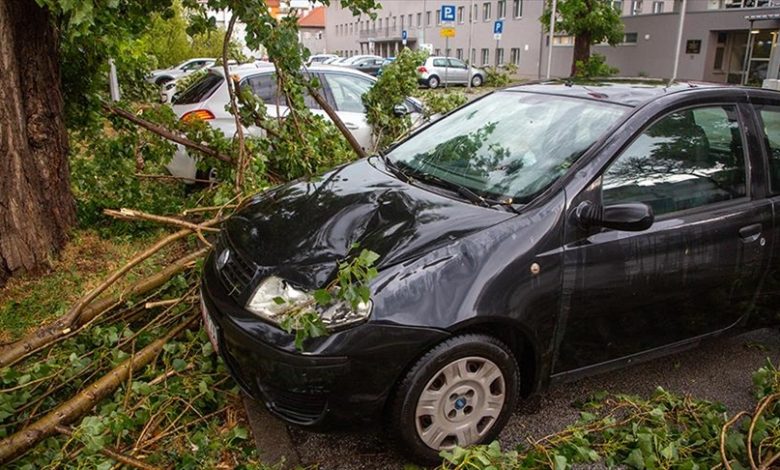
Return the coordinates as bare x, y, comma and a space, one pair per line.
337, 121
27, 437
110, 453
129, 214
724, 430
50, 334
232, 87
165, 133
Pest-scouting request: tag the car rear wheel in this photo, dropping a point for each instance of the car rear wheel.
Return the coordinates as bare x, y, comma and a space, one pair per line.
476, 81
433, 82
461, 393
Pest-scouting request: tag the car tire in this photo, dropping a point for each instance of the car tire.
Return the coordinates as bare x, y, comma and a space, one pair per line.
433, 82
476, 81
461, 392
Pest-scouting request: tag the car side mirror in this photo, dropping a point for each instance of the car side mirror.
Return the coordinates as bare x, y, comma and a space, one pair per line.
633, 217
400, 110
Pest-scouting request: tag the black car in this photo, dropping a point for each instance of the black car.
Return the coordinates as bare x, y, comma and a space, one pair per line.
535, 235
369, 65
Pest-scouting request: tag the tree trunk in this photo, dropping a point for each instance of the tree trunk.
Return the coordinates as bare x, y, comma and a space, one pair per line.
36, 204
581, 51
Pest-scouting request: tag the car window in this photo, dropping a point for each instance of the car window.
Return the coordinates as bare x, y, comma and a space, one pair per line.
439, 63
193, 66
348, 91
688, 159
265, 87
201, 90
457, 64
770, 118
508, 144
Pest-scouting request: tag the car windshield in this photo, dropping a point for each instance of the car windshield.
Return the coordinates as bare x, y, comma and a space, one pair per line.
509, 144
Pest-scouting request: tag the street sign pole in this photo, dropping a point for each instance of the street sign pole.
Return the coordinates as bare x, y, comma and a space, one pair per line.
446, 68
498, 30
552, 36
468, 52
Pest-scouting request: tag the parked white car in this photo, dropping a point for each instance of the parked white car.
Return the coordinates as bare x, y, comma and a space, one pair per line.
207, 98
162, 76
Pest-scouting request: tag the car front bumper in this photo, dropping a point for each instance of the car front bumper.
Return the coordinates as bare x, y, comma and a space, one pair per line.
346, 382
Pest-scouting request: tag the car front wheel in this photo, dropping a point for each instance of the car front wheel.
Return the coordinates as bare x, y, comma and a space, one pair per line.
476, 81
433, 82
461, 393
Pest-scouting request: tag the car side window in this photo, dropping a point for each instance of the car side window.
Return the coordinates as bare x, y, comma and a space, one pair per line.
770, 119
689, 158
439, 63
348, 92
455, 63
265, 87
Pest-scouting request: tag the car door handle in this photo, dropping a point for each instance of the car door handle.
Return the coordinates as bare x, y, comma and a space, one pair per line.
350, 126
750, 233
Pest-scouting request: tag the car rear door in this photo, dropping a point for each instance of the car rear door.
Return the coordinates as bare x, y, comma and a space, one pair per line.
345, 92
767, 115
458, 71
696, 270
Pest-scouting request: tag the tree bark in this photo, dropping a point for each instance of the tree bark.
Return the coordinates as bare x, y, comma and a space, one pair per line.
581, 51
36, 204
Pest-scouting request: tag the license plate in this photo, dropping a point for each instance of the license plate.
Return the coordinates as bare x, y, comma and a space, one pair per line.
208, 324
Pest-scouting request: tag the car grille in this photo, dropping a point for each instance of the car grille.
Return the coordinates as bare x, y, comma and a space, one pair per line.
237, 273
301, 408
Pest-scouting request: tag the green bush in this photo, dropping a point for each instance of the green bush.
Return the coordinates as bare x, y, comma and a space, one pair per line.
595, 66
500, 76
441, 102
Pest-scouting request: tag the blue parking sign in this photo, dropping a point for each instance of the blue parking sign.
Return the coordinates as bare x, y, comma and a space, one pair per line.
404, 35
447, 13
498, 27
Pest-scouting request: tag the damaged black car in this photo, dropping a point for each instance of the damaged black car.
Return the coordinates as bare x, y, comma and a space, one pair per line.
537, 234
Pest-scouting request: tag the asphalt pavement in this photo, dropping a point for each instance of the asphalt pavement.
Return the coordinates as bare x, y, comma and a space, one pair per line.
719, 370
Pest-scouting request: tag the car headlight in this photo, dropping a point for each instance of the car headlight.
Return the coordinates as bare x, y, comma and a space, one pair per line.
274, 296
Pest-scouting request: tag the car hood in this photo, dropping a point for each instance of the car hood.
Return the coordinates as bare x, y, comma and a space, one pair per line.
300, 231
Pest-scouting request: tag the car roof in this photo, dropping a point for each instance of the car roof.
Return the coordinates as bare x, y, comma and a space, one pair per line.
628, 92
245, 70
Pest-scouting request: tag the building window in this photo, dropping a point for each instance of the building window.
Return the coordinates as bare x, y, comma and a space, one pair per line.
438, 17
485, 56
459, 53
517, 8
630, 38
437, 51
475, 14
395, 22
427, 18
419, 19
486, 11
658, 7
501, 9
618, 6
636, 7
460, 15
499, 56
563, 40
402, 22
514, 55
380, 23
473, 56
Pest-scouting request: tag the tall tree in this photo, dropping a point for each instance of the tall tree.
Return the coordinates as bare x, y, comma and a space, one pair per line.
589, 21
51, 54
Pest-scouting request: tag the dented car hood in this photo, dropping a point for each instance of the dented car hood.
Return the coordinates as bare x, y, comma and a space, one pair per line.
300, 231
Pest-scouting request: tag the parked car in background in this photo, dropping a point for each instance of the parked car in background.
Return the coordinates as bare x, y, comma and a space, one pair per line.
355, 58
332, 60
536, 235
161, 76
321, 58
385, 63
438, 71
369, 65
343, 87
167, 91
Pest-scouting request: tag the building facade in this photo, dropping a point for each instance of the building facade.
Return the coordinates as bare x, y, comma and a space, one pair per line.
311, 30
719, 38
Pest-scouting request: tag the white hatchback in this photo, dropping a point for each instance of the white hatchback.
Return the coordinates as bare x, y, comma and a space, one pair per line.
342, 87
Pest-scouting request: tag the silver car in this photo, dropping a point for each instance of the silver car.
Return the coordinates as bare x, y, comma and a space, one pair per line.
437, 71
161, 76
342, 87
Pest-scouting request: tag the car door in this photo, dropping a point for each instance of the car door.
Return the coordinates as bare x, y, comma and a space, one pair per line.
695, 271
345, 92
458, 71
440, 67
767, 115
264, 85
